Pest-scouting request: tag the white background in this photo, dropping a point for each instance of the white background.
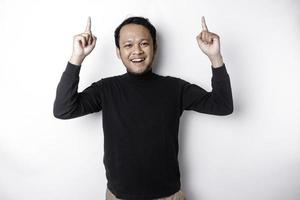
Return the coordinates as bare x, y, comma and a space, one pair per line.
253, 153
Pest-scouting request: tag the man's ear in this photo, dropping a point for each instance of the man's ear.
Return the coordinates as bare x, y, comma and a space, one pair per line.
118, 52
155, 49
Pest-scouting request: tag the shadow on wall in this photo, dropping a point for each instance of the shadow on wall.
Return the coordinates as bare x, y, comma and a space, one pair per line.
237, 74
157, 63
183, 163
295, 4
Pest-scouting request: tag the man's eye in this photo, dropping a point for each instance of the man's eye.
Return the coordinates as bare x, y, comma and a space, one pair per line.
145, 44
127, 45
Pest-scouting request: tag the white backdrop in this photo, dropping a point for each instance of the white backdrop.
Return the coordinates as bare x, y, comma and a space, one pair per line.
253, 153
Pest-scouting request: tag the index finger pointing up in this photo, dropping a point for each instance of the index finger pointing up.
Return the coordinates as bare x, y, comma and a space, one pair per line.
204, 27
88, 26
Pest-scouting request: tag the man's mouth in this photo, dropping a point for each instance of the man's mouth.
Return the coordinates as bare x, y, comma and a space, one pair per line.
137, 60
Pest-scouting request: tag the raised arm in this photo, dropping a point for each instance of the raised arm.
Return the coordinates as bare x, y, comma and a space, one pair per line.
219, 101
68, 102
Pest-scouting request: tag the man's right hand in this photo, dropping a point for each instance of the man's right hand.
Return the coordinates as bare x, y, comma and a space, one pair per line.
83, 44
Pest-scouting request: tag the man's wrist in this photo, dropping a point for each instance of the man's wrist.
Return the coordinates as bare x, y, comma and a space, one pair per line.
216, 61
76, 60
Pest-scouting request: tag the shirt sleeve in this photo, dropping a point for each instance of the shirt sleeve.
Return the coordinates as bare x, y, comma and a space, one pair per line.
68, 102
217, 102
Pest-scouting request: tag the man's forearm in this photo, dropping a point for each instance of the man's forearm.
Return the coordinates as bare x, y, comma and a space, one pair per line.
66, 92
76, 60
216, 61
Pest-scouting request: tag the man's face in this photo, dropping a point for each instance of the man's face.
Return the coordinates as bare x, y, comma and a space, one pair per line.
136, 48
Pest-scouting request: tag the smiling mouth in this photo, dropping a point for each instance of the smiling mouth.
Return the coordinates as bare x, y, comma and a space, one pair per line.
137, 60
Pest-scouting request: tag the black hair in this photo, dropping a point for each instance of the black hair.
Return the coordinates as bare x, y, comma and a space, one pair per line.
140, 21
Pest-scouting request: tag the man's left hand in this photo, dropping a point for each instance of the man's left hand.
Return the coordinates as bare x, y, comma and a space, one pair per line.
209, 43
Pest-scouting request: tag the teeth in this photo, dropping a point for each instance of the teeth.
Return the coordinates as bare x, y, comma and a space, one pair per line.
137, 60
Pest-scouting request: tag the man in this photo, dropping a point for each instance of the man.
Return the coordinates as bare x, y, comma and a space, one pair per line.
141, 109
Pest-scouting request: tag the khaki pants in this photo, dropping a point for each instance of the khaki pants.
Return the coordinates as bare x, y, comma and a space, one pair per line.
177, 196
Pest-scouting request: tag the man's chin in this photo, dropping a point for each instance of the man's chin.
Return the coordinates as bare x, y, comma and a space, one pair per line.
138, 71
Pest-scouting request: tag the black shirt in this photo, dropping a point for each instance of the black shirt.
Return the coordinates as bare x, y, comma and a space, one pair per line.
141, 115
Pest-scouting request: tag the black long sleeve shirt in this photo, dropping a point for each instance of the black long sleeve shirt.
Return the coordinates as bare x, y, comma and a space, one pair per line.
141, 115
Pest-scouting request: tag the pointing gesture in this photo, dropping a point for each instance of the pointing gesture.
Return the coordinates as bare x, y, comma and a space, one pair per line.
209, 43
88, 26
204, 27
83, 44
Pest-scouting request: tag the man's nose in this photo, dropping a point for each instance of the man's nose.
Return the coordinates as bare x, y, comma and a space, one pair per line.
137, 49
